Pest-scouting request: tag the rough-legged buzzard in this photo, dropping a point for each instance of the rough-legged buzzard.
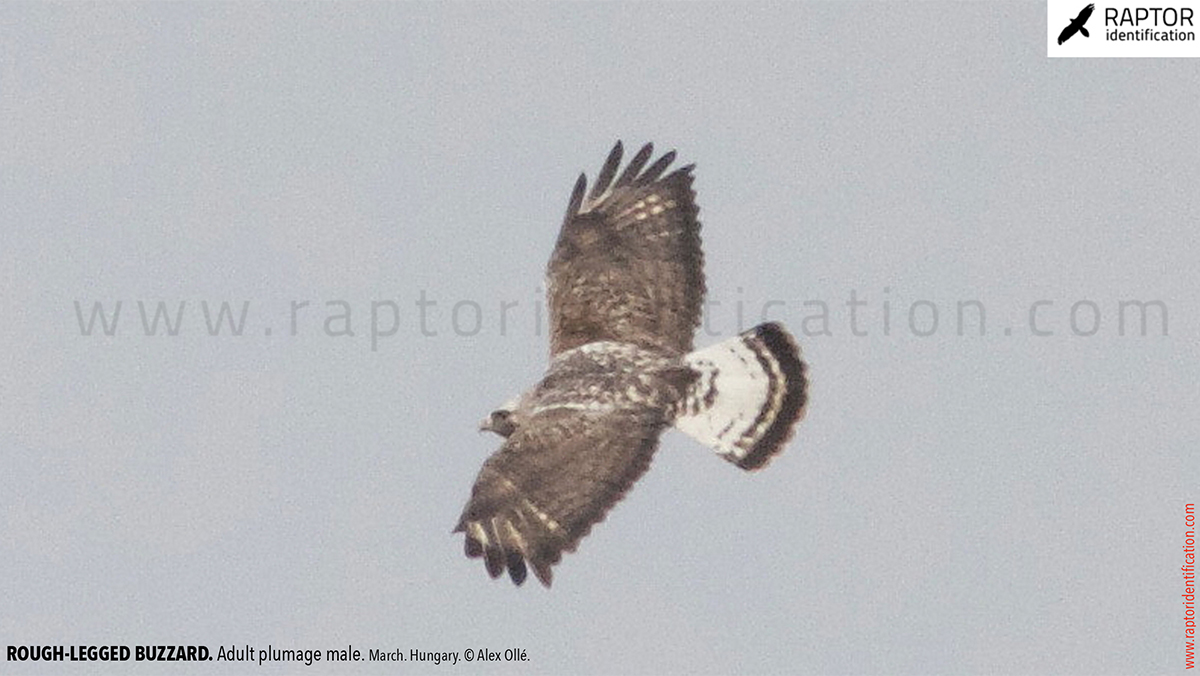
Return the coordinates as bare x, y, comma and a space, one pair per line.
625, 287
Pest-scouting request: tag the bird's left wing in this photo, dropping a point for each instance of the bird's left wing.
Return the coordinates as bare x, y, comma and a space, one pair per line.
1067, 33
555, 477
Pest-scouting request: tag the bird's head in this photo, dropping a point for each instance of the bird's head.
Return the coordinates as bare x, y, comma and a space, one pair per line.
502, 421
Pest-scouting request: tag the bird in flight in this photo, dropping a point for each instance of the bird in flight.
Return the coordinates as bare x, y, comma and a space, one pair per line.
625, 285
1076, 25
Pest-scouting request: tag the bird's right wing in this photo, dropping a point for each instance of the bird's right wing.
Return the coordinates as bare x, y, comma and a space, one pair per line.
627, 266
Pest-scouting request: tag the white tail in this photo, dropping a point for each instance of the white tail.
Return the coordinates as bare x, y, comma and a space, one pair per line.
750, 393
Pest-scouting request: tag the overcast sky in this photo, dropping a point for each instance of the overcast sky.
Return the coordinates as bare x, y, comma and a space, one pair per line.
888, 180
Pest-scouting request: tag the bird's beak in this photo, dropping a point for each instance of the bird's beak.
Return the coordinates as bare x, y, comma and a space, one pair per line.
485, 425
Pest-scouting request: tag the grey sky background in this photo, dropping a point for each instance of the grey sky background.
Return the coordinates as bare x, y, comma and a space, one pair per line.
1005, 503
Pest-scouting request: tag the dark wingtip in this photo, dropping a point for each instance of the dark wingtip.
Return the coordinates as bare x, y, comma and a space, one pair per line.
635, 165
516, 568
497, 559
541, 569
618, 149
655, 171
493, 561
577, 195
607, 171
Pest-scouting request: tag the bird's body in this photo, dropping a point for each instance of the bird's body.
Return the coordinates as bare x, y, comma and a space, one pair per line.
1077, 25
612, 375
625, 289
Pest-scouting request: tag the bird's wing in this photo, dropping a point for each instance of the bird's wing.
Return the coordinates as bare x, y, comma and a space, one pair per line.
1067, 32
555, 477
627, 266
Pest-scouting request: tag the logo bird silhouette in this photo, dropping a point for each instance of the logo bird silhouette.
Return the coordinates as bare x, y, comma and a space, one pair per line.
1076, 25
